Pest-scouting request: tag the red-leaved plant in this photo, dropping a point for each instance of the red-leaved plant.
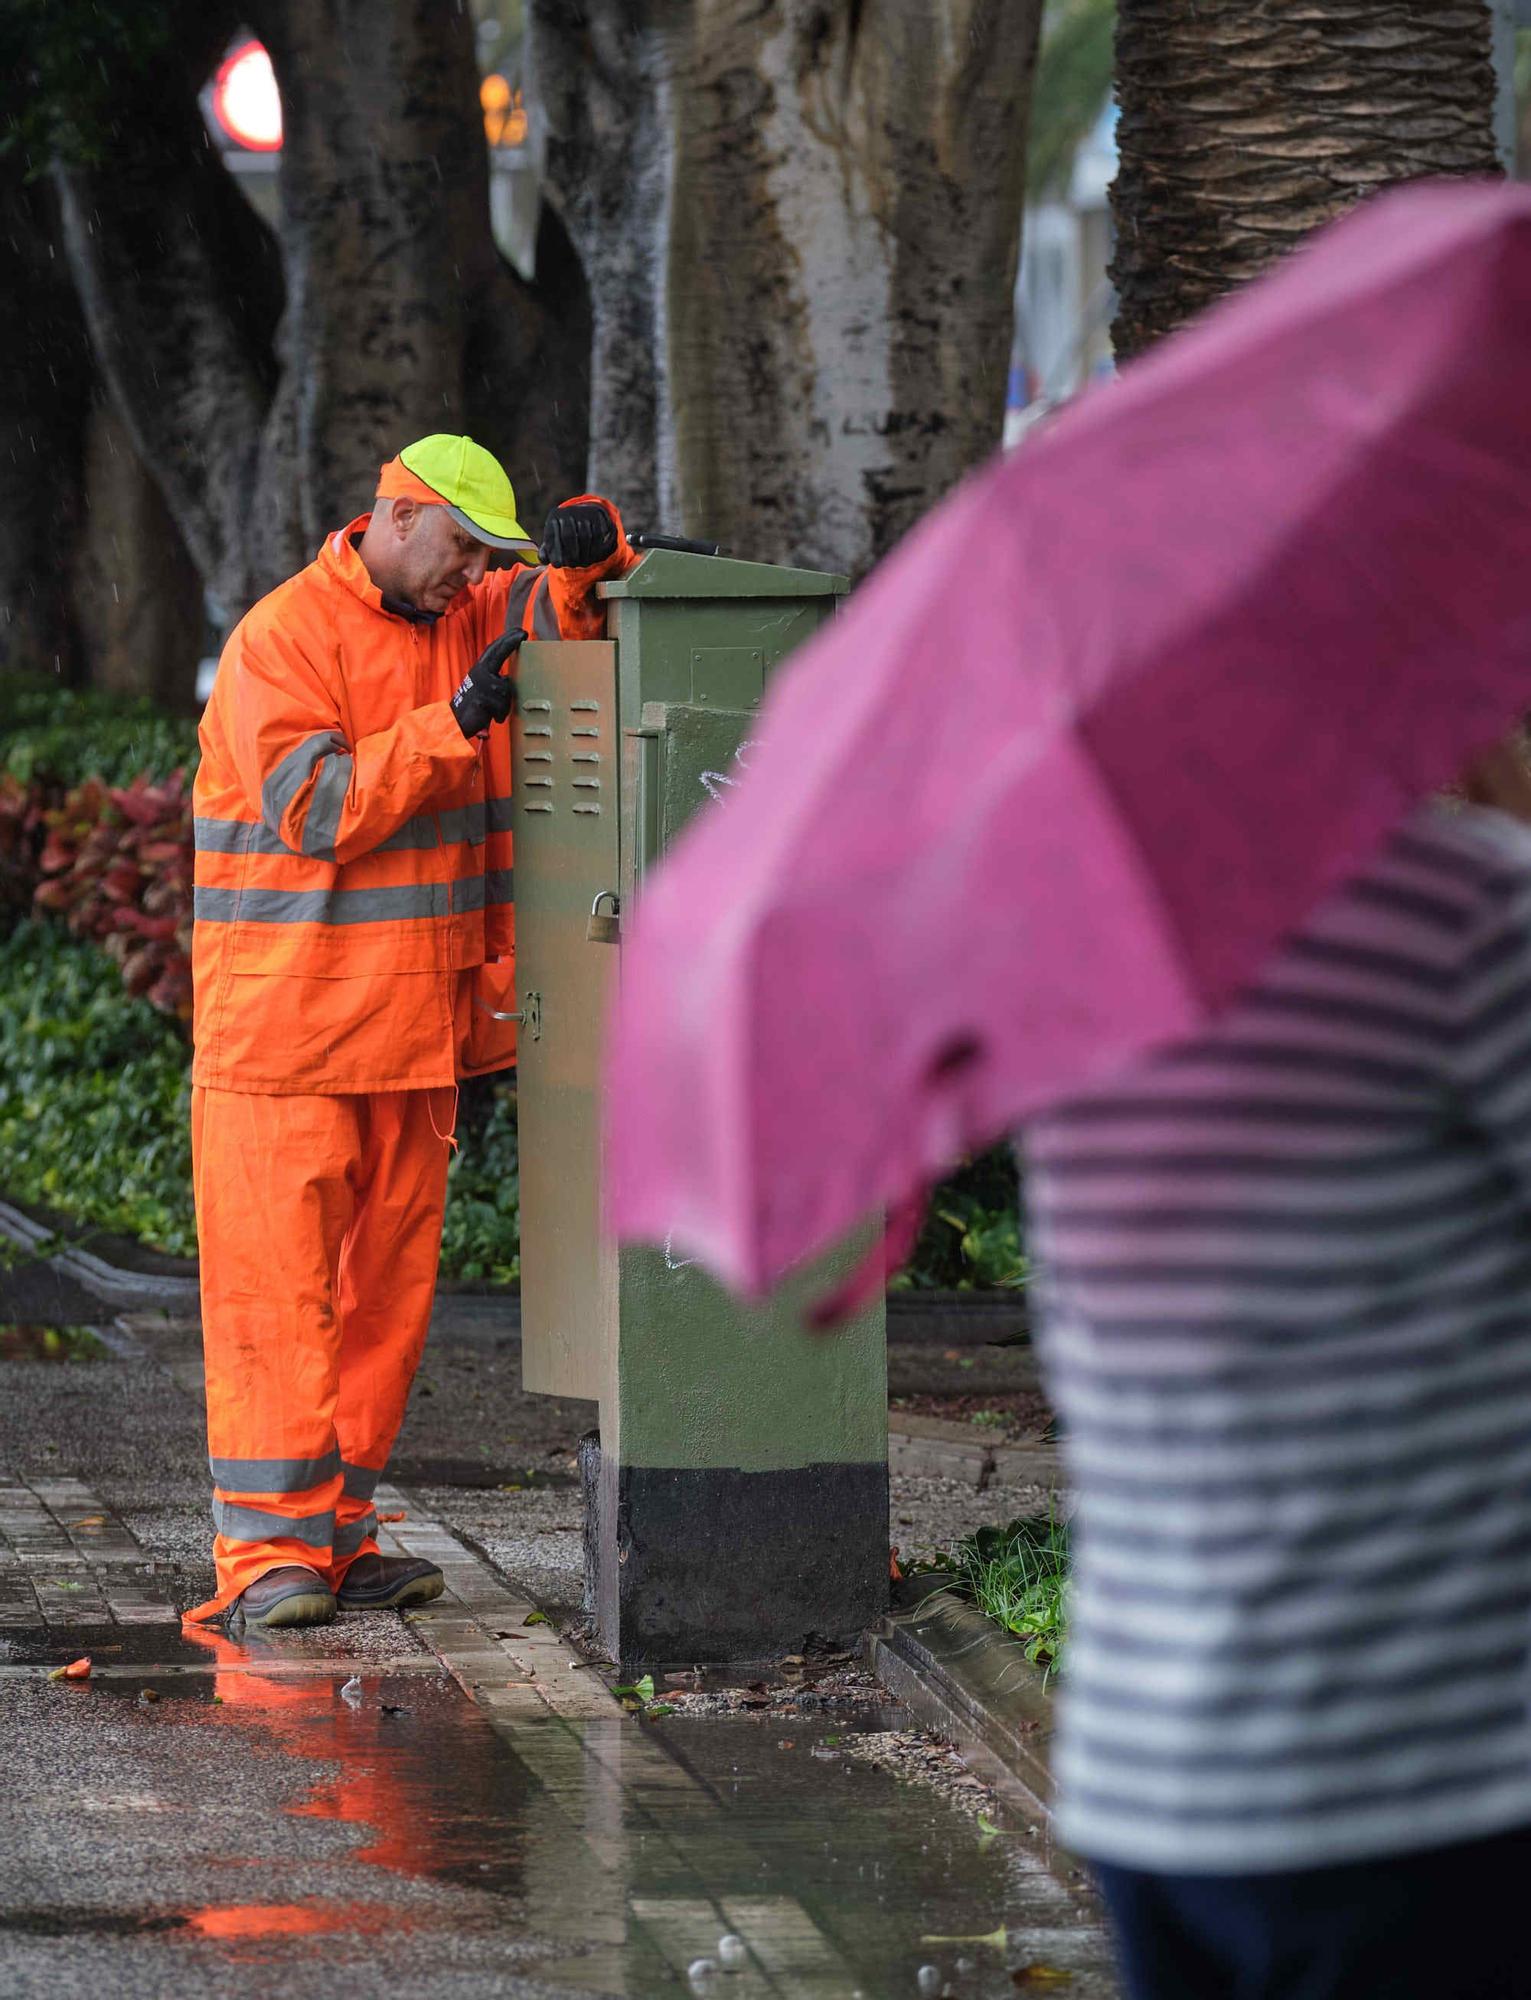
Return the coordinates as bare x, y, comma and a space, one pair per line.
116, 865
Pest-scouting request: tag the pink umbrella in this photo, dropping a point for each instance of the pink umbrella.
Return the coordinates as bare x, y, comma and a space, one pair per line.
1098, 734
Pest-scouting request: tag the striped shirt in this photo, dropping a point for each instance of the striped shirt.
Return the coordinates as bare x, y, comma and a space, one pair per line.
1286, 1318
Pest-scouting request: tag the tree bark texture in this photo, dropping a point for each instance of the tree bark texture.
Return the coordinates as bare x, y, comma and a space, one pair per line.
800, 225
266, 378
43, 415
1245, 124
136, 592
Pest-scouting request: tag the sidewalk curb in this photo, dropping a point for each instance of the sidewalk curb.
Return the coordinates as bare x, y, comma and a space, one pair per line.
111, 1283
970, 1682
915, 1318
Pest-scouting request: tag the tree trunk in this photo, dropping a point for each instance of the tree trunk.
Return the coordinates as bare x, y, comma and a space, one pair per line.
95, 584
1247, 123
602, 95
265, 380
42, 437
800, 224
136, 592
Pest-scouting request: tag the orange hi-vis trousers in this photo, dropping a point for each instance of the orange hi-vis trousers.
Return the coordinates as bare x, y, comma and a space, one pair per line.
319, 1227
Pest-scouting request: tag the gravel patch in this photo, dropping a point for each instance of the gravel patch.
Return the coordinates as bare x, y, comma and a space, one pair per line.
928, 1517
922, 1759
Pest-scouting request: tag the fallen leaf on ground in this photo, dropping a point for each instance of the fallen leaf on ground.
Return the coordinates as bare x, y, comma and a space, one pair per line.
90, 1521
643, 1690
400, 1515
894, 1572
1040, 1975
77, 1670
535, 1618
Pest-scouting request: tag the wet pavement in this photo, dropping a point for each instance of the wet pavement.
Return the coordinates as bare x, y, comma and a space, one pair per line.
254, 1823
454, 1804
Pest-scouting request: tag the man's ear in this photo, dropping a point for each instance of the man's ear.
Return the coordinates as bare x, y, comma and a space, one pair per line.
405, 513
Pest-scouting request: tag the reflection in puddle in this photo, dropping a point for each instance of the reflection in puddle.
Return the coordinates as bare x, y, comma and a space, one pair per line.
599, 1857
264, 1921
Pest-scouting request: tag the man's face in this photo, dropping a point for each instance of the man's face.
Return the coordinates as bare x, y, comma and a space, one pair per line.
437, 558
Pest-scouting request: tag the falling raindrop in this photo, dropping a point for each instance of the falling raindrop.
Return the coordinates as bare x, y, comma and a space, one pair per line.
731, 1952
929, 1981
351, 1692
701, 1972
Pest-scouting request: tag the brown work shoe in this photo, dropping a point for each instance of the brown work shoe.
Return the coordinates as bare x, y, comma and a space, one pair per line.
282, 1597
388, 1583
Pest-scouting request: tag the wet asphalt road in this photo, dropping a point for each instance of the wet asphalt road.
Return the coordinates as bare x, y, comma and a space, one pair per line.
255, 1828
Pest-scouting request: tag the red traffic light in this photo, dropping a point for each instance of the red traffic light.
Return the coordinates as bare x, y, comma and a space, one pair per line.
246, 101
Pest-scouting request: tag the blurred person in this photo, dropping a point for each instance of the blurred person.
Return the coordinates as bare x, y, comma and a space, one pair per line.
353, 950
1286, 1286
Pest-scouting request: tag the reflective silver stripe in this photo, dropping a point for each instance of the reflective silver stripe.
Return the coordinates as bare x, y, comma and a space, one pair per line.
255, 1524
500, 886
500, 815
292, 774
351, 1534
468, 894
273, 1475
361, 1480
322, 906
544, 616
321, 825
465, 823
412, 837
516, 597
237, 836
468, 823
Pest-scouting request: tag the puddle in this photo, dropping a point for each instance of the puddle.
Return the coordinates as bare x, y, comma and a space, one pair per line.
115, 1645
50, 1343
168, 1649
85, 1923
600, 1857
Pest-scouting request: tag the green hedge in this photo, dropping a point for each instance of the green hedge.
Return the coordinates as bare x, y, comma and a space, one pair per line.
93, 1092
94, 1117
66, 735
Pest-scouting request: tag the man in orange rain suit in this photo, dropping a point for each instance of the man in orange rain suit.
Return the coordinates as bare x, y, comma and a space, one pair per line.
354, 935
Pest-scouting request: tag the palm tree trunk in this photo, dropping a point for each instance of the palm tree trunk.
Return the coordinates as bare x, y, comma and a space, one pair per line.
1247, 123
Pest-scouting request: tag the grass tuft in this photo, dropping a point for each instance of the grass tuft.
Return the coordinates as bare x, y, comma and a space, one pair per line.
1018, 1575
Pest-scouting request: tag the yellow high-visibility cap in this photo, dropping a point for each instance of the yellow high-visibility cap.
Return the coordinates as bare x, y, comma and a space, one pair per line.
473, 487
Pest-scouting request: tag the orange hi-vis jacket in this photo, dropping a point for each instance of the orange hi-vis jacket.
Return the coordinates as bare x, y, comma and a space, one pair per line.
353, 850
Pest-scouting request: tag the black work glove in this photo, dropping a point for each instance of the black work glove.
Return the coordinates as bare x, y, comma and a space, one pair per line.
578, 534
486, 696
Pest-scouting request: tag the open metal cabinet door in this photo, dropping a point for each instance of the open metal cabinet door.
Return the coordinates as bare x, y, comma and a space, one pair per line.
566, 806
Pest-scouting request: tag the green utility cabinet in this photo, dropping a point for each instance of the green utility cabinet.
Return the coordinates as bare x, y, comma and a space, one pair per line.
737, 1490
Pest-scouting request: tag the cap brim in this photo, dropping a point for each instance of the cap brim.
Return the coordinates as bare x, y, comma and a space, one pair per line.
517, 538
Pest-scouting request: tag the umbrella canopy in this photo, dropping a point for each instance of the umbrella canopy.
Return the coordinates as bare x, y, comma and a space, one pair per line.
1092, 741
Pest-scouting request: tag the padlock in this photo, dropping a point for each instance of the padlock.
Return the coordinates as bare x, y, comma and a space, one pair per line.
604, 930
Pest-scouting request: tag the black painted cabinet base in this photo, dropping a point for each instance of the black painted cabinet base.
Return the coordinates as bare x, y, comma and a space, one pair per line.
715, 1567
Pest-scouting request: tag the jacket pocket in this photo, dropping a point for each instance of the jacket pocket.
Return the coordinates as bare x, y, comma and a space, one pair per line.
484, 1042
